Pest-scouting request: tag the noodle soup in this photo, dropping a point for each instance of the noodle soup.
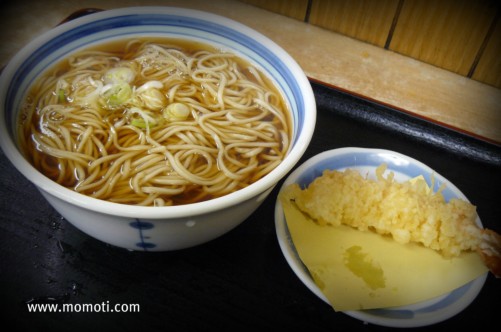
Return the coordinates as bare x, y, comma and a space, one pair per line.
154, 122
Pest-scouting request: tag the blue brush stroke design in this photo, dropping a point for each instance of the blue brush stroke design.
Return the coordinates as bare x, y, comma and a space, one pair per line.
142, 226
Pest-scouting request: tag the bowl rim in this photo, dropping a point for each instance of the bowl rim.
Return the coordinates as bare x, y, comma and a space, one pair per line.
257, 188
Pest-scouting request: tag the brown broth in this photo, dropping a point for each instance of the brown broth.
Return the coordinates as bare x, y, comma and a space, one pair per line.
62, 172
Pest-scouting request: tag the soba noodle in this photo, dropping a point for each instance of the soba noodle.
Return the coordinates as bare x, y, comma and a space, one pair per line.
154, 123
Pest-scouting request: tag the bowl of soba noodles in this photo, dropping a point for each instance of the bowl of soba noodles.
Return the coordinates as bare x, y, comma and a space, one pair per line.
154, 128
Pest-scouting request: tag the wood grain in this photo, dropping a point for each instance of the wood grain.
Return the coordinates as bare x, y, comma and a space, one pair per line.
446, 33
290, 8
325, 56
365, 20
488, 69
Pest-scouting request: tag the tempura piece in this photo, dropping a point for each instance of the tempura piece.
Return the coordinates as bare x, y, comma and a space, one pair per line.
407, 211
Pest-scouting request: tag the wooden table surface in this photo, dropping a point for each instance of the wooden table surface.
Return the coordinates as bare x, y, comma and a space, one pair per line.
333, 59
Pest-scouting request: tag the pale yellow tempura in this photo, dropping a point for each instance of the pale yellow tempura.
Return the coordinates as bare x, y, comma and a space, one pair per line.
408, 211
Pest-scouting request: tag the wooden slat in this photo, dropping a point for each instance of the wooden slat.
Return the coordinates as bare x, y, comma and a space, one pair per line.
291, 8
446, 33
488, 69
365, 20
331, 58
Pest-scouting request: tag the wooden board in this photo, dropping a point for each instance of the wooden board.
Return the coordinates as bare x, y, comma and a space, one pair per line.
365, 20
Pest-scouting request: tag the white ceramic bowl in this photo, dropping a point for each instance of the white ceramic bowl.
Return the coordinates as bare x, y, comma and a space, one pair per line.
366, 161
155, 228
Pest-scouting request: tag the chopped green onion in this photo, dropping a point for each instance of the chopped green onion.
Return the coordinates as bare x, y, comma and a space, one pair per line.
119, 75
117, 94
61, 88
141, 123
145, 120
61, 96
176, 112
153, 99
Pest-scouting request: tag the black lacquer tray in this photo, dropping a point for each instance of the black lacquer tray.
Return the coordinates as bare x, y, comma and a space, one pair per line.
240, 281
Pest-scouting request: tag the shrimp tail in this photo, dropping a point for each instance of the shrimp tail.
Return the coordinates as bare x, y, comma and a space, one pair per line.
490, 251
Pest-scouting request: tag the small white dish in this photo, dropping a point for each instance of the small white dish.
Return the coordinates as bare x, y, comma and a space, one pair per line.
367, 160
